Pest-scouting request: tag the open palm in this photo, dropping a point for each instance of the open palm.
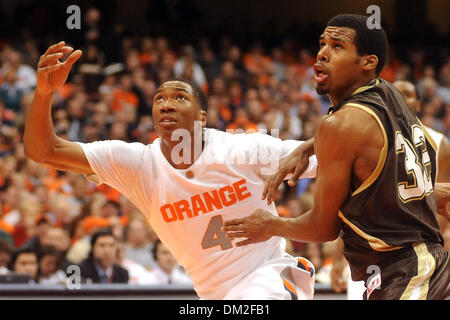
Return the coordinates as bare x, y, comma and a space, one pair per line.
51, 73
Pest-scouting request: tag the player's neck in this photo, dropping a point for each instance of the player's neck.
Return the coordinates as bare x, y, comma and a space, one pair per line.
182, 154
337, 97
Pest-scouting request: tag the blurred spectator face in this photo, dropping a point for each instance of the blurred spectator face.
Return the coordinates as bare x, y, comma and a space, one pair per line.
5, 254
105, 250
48, 265
252, 94
26, 263
133, 61
79, 187
165, 259
408, 91
92, 16
219, 87
234, 53
118, 131
75, 108
228, 69
61, 210
109, 209
57, 238
149, 88
137, 233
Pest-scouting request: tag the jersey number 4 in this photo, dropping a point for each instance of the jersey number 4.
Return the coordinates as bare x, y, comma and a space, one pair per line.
418, 169
214, 236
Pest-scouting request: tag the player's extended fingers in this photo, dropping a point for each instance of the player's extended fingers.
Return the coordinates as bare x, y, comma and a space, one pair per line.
50, 59
74, 56
266, 187
232, 235
54, 48
298, 171
54, 67
233, 222
274, 184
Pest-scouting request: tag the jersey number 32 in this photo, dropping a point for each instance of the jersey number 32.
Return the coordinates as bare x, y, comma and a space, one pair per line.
418, 168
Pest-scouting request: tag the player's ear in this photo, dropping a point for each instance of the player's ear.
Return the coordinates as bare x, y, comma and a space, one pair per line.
203, 113
370, 62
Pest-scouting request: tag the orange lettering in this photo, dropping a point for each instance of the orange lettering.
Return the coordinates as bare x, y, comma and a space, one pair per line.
223, 197
173, 216
198, 205
240, 190
182, 206
210, 201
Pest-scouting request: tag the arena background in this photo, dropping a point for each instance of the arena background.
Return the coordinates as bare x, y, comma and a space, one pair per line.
143, 40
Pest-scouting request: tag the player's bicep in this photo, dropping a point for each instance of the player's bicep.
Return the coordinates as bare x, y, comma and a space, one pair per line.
335, 157
69, 156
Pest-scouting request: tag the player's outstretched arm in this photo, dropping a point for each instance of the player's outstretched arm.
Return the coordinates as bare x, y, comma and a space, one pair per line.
40, 142
295, 163
336, 158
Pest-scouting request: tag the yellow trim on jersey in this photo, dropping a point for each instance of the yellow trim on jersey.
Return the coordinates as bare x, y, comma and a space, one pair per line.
361, 89
429, 138
383, 153
375, 243
418, 286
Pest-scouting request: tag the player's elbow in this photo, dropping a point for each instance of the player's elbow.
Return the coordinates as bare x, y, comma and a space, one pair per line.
35, 154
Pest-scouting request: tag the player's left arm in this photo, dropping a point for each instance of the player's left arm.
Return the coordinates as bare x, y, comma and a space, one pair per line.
336, 157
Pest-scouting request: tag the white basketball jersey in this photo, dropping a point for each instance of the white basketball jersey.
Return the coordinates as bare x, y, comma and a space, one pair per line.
187, 207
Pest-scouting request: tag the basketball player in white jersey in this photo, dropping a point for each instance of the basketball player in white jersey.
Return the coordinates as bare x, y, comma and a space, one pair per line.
185, 193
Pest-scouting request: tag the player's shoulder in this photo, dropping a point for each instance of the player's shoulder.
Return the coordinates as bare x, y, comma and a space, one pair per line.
350, 124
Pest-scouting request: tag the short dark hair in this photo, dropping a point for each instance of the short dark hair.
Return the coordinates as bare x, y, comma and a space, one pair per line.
5, 247
198, 92
155, 248
18, 252
101, 233
367, 41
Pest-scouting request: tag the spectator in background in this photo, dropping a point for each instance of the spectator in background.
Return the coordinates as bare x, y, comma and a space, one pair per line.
138, 248
188, 68
101, 266
137, 273
49, 266
25, 262
6, 251
167, 271
59, 239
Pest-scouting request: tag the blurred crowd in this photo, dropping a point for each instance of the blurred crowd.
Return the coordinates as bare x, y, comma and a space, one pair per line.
50, 220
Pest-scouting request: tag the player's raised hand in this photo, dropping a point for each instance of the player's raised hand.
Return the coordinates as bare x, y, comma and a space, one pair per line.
52, 73
255, 227
296, 163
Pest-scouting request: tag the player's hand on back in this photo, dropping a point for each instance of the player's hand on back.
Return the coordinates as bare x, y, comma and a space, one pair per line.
296, 163
253, 227
52, 73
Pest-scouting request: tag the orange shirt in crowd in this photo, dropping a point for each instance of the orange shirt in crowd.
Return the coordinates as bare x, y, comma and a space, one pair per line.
121, 96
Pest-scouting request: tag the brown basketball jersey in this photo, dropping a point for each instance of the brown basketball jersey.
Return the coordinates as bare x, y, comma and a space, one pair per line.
394, 208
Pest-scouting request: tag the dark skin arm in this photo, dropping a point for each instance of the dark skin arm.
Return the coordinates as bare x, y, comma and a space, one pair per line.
295, 163
444, 161
40, 142
342, 167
